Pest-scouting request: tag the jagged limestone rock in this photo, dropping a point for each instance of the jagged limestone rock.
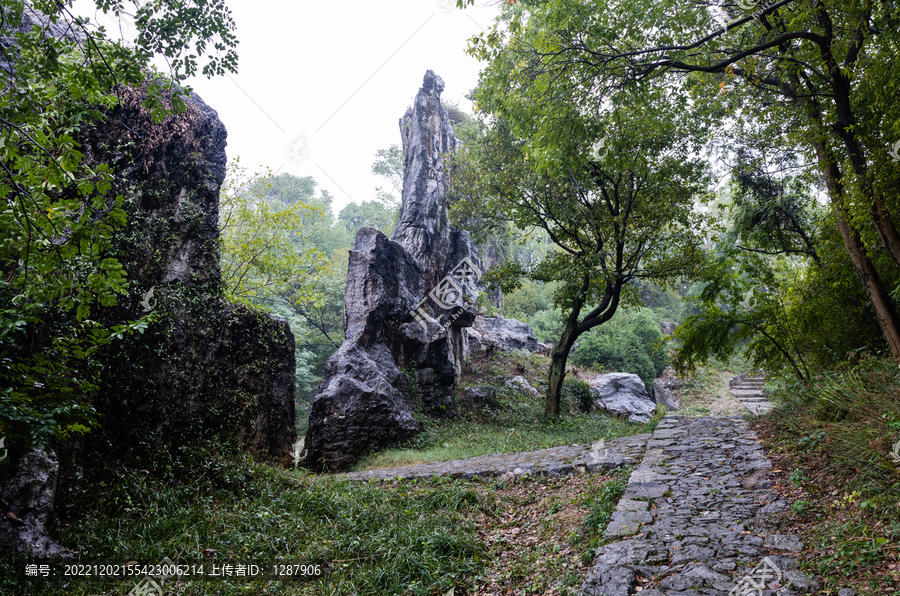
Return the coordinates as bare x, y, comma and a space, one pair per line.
205, 369
361, 403
502, 334
408, 303
423, 227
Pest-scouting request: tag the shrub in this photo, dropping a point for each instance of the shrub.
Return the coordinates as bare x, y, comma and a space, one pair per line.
578, 392
634, 346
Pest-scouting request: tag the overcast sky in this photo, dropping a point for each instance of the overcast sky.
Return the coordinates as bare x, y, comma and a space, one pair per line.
339, 76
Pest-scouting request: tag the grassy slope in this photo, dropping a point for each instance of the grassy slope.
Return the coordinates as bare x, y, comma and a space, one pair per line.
512, 423
830, 443
398, 537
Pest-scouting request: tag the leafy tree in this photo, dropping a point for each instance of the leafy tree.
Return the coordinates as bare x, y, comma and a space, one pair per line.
372, 214
634, 346
265, 250
319, 223
786, 312
389, 165
614, 190
57, 214
821, 74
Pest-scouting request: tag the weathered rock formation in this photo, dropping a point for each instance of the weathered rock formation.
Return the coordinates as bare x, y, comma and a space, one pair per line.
623, 394
397, 354
364, 399
27, 505
502, 334
663, 397
408, 303
205, 370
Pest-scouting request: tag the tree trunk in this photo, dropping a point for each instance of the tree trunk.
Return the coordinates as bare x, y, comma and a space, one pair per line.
558, 358
878, 294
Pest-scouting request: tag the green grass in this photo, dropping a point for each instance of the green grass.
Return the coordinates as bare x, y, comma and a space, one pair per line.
404, 538
602, 506
513, 423
397, 537
836, 433
450, 440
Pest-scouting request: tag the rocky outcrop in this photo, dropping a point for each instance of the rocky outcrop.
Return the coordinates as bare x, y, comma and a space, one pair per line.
502, 334
663, 397
423, 227
667, 327
203, 370
364, 398
409, 302
520, 384
26, 506
623, 394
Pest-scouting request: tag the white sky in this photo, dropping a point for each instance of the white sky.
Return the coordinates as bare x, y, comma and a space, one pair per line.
338, 75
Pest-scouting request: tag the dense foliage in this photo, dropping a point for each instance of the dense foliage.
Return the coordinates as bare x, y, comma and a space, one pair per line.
629, 343
57, 215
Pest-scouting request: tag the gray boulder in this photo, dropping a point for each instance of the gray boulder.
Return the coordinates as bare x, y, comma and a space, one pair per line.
475, 397
504, 334
520, 383
27, 506
623, 394
662, 396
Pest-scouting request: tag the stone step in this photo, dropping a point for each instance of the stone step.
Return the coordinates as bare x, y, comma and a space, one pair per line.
688, 518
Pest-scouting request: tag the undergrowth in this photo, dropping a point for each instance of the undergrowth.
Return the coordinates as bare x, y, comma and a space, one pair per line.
834, 440
396, 537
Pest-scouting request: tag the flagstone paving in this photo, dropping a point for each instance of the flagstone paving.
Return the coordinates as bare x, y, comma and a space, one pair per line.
692, 521
695, 518
568, 459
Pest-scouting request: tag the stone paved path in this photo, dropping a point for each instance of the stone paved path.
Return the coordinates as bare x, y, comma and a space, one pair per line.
748, 391
692, 519
568, 459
